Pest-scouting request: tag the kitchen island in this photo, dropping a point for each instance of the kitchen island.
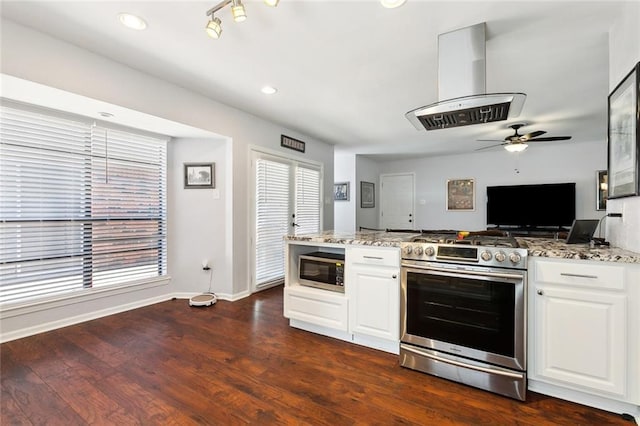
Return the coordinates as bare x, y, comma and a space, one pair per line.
583, 310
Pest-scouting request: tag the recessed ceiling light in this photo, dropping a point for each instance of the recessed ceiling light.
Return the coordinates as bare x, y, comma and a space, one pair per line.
268, 90
132, 21
105, 114
390, 4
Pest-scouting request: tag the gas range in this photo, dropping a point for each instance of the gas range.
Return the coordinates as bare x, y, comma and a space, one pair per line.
480, 250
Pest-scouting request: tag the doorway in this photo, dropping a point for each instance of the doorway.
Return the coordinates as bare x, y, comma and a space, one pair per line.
397, 193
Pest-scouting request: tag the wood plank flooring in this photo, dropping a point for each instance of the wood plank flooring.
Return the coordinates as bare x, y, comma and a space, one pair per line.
238, 363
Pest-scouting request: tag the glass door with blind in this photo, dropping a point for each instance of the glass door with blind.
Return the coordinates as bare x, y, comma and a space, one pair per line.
287, 201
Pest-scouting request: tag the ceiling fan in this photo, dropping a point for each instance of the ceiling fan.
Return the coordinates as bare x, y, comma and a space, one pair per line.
518, 142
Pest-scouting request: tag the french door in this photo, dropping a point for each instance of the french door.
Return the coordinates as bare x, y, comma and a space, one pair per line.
287, 200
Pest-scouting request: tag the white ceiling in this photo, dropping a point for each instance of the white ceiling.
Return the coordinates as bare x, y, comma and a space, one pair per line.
347, 72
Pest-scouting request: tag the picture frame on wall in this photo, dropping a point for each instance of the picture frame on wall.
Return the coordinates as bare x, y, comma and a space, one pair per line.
367, 195
602, 189
461, 195
341, 191
199, 175
624, 133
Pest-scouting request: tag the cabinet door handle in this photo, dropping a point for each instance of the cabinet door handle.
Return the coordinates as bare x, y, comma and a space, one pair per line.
372, 257
394, 276
540, 292
566, 274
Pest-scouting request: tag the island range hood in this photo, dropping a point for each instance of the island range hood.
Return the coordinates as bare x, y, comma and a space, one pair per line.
461, 86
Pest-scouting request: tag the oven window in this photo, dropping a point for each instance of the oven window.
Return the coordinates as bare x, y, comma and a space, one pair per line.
474, 313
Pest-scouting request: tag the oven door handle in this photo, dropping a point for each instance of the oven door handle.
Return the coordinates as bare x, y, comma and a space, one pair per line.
467, 272
462, 364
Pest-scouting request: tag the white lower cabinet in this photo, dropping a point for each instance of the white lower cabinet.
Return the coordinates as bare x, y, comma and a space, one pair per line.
372, 284
316, 306
582, 334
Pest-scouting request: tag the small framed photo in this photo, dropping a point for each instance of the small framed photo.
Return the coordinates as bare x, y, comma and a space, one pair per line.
367, 195
341, 191
461, 195
602, 189
199, 175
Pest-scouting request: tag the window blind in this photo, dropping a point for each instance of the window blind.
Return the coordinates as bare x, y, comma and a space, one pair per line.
83, 206
307, 200
272, 219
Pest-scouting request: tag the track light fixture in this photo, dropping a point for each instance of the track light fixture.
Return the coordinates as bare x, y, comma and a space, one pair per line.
214, 26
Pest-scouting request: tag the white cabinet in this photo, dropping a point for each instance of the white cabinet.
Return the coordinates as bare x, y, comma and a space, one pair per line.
582, 335
372, 284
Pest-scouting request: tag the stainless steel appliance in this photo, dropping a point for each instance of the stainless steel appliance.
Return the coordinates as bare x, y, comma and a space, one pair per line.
463, 311
322, 270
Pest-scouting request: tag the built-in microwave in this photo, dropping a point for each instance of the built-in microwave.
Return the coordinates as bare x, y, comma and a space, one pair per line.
322, 270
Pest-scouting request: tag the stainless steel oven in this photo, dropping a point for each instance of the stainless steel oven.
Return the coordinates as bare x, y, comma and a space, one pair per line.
463, 314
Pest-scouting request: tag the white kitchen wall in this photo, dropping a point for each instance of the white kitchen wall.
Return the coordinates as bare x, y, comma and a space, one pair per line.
344, 165
624, 53
548, 163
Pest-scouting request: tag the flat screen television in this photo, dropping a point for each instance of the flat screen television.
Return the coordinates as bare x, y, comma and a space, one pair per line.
551, 205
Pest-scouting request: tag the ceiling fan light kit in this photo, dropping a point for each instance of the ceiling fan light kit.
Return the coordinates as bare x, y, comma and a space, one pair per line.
518, 142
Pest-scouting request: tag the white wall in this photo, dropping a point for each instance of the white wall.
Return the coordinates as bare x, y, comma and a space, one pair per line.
551, 163
345, 211
367, 170
624, 53
36, 57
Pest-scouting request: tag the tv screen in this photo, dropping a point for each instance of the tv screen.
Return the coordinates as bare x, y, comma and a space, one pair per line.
532, 206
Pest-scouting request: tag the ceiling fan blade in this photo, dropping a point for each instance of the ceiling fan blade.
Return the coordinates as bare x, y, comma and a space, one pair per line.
532, 135
488, 140
491, 146
549, 139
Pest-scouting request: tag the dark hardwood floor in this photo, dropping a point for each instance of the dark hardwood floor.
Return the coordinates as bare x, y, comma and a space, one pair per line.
238, 363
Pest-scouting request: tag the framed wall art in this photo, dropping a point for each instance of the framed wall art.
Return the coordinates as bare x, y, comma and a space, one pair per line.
461, 195
602, 189
623, 151
367, 195
199, 175
341, 191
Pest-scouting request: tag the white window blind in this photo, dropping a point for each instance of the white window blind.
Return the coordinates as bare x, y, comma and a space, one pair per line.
82, 206
307, 208
272, 219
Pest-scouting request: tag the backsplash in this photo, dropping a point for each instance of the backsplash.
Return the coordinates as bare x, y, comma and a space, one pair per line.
624, 232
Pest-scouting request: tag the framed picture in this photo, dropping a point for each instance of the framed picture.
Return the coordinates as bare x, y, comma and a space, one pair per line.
461, 195
624, 110
602, 189
341, 191
199, 175
367, 194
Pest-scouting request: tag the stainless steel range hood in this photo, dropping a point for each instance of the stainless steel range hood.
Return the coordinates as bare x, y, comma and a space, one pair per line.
461, 86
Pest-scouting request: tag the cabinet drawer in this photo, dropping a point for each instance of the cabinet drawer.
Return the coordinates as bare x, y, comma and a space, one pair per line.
581, 273
373, 256
320, 307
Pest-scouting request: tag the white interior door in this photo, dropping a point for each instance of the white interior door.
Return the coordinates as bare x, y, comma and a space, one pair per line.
287, 200
397, 201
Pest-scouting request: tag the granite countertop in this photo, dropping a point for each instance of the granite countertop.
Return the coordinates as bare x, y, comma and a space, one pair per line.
536, 247
545, 247
365, 238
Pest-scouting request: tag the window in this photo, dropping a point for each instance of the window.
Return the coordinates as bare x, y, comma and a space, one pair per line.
82, 206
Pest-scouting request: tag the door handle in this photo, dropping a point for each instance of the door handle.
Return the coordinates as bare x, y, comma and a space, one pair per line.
294, 224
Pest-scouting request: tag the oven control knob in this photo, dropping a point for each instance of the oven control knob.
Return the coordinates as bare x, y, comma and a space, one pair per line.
418, 250
515, 258
486, 255
407, 250
430, 251
500, 256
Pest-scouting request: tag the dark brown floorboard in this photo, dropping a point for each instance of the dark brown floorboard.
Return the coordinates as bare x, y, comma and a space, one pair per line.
238, 363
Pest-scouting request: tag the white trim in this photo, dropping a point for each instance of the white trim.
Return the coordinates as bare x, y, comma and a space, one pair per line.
80, 296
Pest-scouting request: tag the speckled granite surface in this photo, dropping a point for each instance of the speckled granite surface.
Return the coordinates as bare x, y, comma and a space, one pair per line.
537, 247
365, 238
542, 247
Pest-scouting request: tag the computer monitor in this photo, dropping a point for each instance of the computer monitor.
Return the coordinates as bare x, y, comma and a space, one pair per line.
582, 231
